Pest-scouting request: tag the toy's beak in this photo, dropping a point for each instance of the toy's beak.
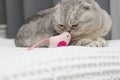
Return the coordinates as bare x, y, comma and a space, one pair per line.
71, 39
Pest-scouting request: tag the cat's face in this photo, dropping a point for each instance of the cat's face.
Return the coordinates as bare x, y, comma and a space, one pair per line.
75, 16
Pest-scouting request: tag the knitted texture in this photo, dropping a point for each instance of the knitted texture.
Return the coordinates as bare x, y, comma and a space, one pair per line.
68, 63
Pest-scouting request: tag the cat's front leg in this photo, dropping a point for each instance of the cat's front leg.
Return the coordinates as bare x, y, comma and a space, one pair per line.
99, 42
83, 42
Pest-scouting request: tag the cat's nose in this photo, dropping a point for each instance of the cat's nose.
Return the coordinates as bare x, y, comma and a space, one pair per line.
69, 31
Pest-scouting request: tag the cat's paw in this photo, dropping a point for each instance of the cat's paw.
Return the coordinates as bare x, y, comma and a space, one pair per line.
84, 42
94, 44
99, 42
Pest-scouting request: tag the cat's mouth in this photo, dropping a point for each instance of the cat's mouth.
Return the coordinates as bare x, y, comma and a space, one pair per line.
75, 34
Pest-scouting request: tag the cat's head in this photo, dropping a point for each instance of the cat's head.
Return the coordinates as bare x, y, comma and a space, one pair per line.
75, 16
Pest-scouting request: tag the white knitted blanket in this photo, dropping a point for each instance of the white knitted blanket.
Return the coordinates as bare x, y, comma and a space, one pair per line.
66, 63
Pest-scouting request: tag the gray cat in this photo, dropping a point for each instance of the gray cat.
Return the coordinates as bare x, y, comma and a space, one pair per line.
86, 21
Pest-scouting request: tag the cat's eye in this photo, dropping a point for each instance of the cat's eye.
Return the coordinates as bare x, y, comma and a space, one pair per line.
74, 26
62, 26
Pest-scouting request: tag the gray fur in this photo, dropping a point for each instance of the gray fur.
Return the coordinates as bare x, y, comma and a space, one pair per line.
86, 21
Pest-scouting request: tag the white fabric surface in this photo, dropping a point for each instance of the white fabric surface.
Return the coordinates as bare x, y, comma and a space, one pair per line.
65, 63
6, 42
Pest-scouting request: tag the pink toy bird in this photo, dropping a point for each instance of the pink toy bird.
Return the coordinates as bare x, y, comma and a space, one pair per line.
60, 40
55, 41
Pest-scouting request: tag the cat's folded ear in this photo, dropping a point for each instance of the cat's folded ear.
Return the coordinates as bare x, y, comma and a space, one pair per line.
87, 6
57, 6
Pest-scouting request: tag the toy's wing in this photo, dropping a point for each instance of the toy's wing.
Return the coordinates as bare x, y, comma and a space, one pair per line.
61, 43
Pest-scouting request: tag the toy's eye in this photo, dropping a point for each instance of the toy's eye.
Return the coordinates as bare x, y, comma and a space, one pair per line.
68, 36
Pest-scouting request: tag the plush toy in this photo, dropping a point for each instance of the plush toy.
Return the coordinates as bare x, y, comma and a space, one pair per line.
55, 41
